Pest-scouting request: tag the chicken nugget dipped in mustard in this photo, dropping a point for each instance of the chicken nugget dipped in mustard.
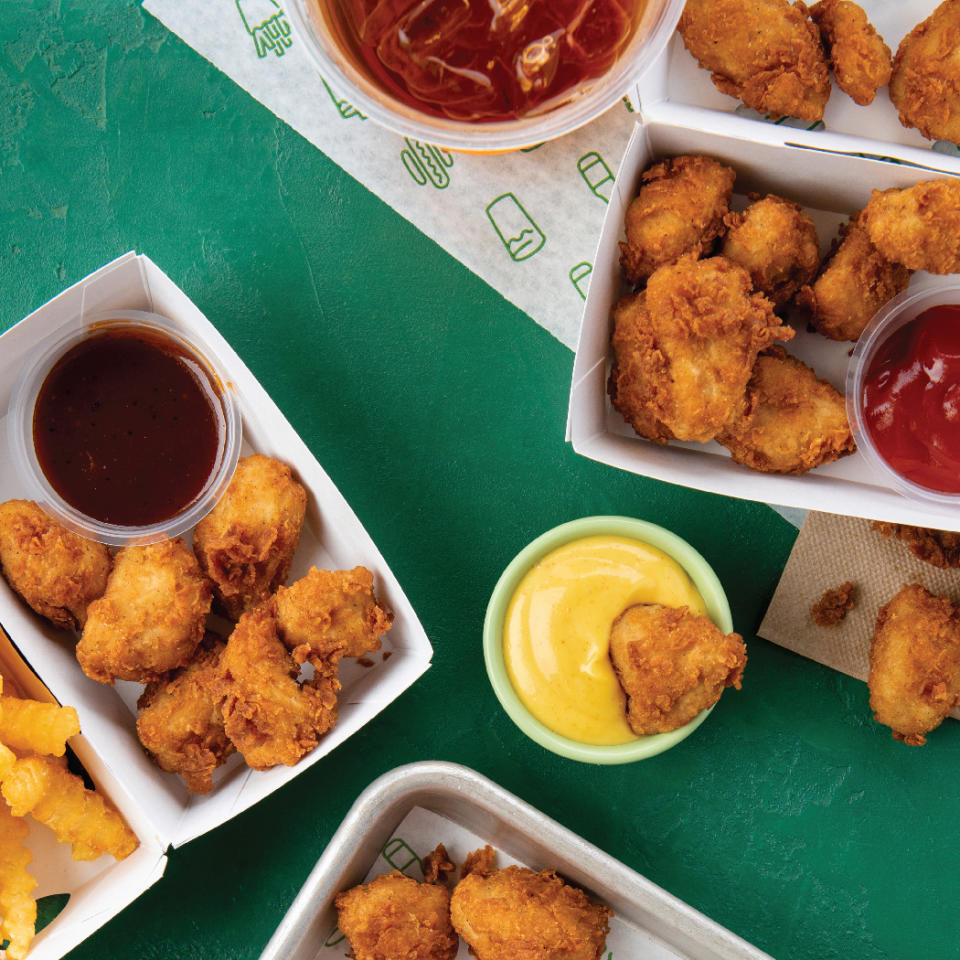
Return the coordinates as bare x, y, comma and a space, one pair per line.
151, 618
764, 52
914, 675
57, 572
247, 542
672, 664
679, 209
518, 913
396, 918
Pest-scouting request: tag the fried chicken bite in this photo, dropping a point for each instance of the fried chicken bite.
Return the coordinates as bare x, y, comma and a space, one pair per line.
764, 52
395, 918
679, 209
179, 723
940, 548
516, 914
329, 608
789, 420
269, 714
915, 663
672, 664
247, 542
861, 61
685, 347
856, 280
57, 573
919, 226
776, 243
150, 619
925, 84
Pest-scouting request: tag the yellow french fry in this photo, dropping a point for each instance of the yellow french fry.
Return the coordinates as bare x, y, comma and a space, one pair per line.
44, 788
33, 727
17, 907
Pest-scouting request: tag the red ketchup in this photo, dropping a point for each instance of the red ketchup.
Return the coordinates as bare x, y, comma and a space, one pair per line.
911, 399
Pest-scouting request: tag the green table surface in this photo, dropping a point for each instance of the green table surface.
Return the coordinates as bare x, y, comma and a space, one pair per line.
438, 408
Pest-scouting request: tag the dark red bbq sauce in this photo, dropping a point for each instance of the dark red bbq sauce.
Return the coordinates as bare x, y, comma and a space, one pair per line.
125, 427
911, 399
485, 60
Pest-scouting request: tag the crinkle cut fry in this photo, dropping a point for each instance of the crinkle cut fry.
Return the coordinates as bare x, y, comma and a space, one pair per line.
35, 727
18, 909
53, 796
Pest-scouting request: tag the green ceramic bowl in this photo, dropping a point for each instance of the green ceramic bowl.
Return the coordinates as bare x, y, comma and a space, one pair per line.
703, 577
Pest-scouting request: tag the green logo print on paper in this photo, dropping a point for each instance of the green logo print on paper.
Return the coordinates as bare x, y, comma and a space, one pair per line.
596, 174
427, 163
267, 25
344, 108
399, 854
580, 277
521, 237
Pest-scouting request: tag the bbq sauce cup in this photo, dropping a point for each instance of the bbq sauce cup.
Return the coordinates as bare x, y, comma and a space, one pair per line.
334, 53
223, 416
902, 310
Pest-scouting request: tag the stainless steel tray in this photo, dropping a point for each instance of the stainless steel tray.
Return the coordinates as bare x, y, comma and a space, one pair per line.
505, 822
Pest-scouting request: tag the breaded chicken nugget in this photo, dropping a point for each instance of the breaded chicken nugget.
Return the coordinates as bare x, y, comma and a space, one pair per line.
179, 722
860, 59
247, 542
671, 664
57, 572
940, 548
765, 52
516, 914
395, 918
776, 243
915, 663
789, 420
925, 85
856, 280
919, 226
151, 617
331, 608
269, 715
685, 347
679, 209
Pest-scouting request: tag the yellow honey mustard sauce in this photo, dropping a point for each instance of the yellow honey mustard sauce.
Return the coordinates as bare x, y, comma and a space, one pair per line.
557, 630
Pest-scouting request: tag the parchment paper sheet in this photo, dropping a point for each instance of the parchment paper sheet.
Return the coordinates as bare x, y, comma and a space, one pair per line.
419, 833
829, 551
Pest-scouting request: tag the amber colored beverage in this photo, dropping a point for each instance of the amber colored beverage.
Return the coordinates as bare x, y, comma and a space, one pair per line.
486, 60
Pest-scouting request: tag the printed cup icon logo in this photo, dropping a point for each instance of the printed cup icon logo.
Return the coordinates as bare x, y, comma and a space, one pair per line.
399, 854
580, 277
597, 175
427, 163
267, 24
515, 227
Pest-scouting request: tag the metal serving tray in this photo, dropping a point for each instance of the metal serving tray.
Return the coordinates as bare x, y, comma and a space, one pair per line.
507, 823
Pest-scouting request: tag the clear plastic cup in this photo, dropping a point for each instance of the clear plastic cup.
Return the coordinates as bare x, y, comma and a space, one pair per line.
329, 50
36, 485
897, 313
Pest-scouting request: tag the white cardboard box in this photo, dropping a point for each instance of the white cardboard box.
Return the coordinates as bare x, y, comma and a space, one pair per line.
155, 803
832, 175
677, 78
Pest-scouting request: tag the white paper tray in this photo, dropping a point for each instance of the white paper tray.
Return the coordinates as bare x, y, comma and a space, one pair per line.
832, 175
155, 802
521, 832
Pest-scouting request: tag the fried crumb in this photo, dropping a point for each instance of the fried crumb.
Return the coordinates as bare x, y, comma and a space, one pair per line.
939, 548
833, 606
479, 861
365, 661
437, 865
387, 654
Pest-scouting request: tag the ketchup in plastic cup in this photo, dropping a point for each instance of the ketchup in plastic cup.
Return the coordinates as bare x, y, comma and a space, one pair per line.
906, 393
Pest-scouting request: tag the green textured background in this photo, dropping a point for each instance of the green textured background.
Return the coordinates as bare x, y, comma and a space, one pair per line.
438, 408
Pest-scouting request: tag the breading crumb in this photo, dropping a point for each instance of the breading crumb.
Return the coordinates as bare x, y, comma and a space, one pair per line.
833, 606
